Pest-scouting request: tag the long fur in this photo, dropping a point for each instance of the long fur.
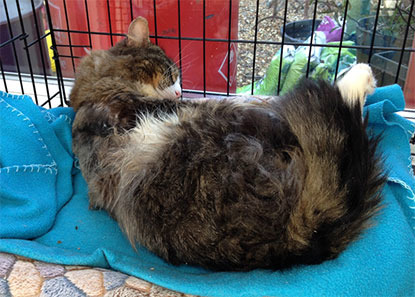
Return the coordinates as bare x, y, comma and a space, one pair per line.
228, 185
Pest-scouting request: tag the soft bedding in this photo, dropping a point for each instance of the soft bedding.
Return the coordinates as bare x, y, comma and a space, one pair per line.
44, 217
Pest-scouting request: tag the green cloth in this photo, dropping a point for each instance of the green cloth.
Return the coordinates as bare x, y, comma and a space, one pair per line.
294, 67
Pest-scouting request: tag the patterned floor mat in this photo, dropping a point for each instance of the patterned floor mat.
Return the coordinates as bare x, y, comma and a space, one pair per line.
22, 277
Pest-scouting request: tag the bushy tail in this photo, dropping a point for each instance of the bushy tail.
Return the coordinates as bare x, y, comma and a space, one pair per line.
341, 190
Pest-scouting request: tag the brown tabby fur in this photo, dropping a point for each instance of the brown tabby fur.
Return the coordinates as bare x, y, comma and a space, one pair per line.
222, 184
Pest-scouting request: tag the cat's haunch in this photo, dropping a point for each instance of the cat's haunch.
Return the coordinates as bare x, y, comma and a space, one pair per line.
222, 184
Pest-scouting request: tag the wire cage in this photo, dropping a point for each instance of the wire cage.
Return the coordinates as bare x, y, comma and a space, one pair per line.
220, 45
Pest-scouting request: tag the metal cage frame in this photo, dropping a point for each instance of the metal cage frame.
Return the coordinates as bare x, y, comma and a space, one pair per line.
61, 96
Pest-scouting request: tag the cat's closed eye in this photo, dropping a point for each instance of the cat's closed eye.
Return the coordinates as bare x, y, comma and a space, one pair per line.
162, 86
172, 90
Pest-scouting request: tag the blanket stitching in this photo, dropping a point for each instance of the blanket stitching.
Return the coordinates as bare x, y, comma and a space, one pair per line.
403, 184
66, 118
407, 187
51, 118
47, 168
48, 116
40, 139
411, 169
14, 96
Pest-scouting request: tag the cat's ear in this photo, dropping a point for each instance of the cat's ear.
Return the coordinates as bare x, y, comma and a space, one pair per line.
138, 33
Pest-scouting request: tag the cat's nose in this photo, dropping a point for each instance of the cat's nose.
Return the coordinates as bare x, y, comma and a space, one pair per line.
178, 94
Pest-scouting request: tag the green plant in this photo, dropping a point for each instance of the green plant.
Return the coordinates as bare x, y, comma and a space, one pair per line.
398, 19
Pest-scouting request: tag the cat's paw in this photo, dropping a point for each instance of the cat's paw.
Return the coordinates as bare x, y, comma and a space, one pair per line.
364, 74
357, 83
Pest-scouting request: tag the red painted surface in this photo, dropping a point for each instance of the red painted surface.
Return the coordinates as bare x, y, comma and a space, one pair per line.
191, 21
409, 89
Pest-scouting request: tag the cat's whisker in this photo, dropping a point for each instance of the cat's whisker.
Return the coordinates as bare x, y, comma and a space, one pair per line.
172, 66
186, 60
188, 82
188, 63
180, 62
182, 50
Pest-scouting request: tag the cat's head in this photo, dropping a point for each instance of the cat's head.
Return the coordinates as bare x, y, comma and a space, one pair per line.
159, 74
133, 62
156, 74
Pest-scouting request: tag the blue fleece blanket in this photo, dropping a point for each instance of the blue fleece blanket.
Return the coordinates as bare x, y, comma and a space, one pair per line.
44, 215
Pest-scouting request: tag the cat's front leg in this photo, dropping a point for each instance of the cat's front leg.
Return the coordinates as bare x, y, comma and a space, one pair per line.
357, 83
93, 119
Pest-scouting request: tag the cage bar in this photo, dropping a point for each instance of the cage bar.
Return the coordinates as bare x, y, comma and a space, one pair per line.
27, 52
4, 77
109, 22
88, 24
14, 46
282, 46
11, 40
69, 35
341, 39
55, 57
372, 42
41, 51
39, 37
312, 37
131, 11
180, 44
229, 47
393, 48
155, 21
404, 41
204, 48
255, 45
36, 40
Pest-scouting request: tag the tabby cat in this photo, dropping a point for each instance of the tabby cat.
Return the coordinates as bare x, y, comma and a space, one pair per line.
224, 184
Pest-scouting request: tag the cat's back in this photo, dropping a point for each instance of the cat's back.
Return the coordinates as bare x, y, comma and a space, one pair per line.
218, 164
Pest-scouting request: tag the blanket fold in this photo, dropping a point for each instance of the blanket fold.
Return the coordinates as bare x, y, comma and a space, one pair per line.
44, 215
36, 166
